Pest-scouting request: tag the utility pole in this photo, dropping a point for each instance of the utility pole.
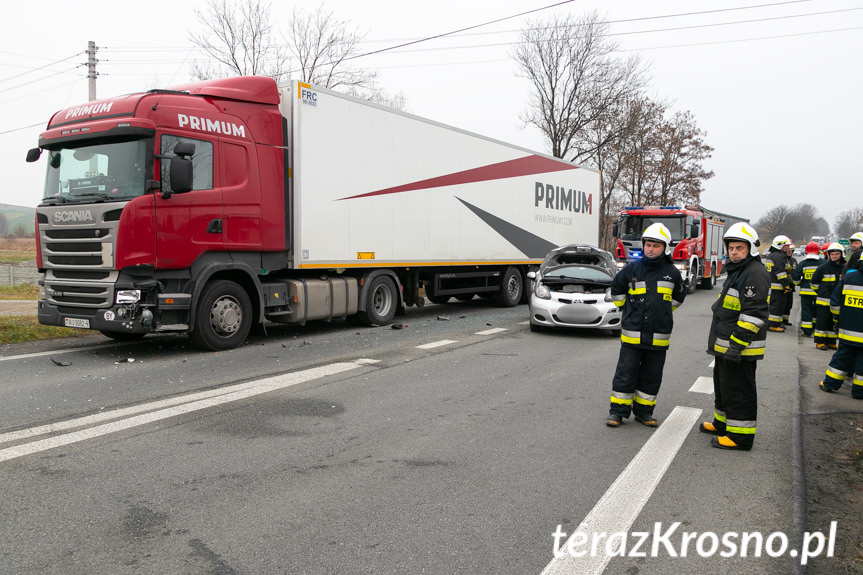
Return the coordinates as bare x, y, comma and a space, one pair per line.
91, 69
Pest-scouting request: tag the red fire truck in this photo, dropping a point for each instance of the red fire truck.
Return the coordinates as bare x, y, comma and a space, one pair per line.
696, 234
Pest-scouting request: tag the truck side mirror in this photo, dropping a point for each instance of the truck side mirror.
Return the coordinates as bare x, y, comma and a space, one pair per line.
33, 154
693, 233
615, 228
181, 175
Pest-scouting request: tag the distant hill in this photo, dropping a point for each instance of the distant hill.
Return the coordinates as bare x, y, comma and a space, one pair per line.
14, 217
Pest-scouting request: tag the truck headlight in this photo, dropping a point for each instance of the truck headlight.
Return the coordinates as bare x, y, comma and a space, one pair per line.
127, 296
681, 266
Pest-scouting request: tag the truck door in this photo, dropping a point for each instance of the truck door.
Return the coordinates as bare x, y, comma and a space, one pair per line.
189, 224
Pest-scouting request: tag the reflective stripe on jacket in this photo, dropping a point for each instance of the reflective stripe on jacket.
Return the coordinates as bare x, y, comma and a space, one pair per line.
740, 311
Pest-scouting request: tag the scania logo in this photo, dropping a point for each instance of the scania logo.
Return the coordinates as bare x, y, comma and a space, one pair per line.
70, 216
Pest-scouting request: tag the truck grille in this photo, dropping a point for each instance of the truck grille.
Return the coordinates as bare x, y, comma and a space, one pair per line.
78, 256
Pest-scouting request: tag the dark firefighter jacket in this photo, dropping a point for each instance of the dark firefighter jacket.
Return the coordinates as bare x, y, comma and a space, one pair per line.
825, 278
740, 313
648, 290
846, 303
802, 274
776, 263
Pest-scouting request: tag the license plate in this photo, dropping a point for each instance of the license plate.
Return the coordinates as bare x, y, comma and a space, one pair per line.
75, 322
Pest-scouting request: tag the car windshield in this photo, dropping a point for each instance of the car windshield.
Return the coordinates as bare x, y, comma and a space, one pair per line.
103, 171
632, 226
583, 273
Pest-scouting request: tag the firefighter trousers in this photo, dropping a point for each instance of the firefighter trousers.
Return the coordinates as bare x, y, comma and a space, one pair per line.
789, 303
847, 361
777, 307
807, 314
735, 400
636, 381
824, 332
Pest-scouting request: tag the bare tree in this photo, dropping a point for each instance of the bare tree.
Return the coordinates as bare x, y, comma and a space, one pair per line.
849, 222
569, 62
238, 37
680, 152
776, 221
322, 44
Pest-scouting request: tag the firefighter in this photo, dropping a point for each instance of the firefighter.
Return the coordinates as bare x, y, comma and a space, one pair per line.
846, 304
801, 276
776, 264
648, 290
855, 242
789, 291
737, 336
825, 278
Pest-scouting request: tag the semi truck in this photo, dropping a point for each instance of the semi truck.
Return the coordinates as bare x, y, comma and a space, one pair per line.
696, 234
214, 207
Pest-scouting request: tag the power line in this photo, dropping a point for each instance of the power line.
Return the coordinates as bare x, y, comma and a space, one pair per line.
31, 70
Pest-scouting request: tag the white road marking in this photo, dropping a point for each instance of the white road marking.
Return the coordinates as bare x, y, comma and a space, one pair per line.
617, 509
436, 344
524, 322
161, 410
491, 331
702, 385
69, 350
712, 363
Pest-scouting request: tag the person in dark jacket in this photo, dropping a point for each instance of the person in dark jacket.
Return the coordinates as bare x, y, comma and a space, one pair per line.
846, 304
648, 290
825, 278
737, 337
790, 265
776, 264
801, 276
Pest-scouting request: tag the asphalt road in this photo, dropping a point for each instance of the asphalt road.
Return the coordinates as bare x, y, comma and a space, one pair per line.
338, 449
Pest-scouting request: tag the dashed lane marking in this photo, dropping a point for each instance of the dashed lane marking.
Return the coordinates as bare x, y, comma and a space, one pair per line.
436, 344
702, 385
491, 331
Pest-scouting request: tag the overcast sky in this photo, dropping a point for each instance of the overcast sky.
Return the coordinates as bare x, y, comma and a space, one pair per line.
777, 86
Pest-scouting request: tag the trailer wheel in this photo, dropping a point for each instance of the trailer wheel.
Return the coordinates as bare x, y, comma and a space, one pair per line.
437, 298
511, 288
381, 303
710, 281
224, 316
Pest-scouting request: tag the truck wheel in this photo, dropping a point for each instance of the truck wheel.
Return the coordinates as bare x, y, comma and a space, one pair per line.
511, 288
692, 279
438, 298
224, 316
708, 282
381, 302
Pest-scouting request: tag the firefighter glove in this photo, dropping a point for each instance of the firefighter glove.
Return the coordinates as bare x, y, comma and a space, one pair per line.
733, 355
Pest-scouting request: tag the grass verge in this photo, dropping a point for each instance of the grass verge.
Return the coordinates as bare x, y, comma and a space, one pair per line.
20, 328
23, 291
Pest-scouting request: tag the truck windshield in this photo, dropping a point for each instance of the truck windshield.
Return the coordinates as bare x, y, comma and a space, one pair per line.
111, 171
632, 226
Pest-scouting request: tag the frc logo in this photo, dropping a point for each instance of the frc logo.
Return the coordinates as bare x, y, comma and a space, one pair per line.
307, 95
557, 198
72, 216
213, 126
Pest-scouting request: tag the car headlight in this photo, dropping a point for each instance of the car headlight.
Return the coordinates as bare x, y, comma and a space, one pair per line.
541, 291
608, 295
128, 296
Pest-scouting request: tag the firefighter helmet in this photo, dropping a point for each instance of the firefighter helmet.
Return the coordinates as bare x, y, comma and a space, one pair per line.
658, 233
824, 247
743, 232
780, 242
856, 237
812, 248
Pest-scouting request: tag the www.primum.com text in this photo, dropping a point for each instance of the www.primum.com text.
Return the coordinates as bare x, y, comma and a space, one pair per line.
672, 543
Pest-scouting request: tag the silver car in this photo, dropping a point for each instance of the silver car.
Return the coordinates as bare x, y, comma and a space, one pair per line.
573, 289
